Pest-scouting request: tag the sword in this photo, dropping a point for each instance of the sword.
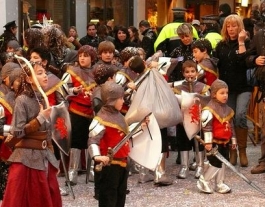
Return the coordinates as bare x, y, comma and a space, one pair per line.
220, 157
67, 181
114, 150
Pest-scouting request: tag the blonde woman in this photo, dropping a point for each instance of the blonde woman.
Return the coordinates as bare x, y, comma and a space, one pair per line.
232, 52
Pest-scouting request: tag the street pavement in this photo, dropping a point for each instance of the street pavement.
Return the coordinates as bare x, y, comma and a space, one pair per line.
183, 192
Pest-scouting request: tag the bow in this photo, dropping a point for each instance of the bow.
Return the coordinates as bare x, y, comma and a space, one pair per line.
34, 78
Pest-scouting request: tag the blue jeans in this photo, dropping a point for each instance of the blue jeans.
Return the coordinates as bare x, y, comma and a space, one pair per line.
239, 102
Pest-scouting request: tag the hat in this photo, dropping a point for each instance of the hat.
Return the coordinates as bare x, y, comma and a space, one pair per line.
179, 14
195, 21
210, 19
15, 73
136, 64
179, 10
110, 92
216, 85
8, 68
10, 24
37, 25
14, 44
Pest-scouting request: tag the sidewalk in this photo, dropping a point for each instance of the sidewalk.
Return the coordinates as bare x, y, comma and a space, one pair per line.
183, 193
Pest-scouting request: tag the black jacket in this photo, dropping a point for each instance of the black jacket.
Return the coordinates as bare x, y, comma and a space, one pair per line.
232, 66
149, 38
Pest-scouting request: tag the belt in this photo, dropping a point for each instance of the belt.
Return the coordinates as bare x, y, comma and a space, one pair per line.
120, 163
36, 140
33, 144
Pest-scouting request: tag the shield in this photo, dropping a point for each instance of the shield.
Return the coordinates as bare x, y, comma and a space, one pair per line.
191, 109
61, 127
145, 148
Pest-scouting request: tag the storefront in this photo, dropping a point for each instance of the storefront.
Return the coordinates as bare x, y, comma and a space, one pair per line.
67, 13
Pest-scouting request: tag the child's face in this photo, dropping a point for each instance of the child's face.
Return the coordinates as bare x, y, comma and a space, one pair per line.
190, 73
119, 103
84, 60
41, 76
107, 56
141, 54
35, 57
198, 55
222, 95
10, 49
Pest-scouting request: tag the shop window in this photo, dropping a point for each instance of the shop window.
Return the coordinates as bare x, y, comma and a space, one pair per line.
100, 11
54, 10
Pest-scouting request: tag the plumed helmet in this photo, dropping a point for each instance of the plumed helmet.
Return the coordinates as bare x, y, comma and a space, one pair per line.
127, 53
216, 85
110, 92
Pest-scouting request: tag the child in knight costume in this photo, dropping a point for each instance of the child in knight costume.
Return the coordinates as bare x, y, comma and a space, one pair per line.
107, 129
208, 71
79, 82
217, 126
32, 179
198, 93
102, 73
7, 102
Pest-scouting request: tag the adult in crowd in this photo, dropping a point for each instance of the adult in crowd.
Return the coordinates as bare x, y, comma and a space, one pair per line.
262, 10
26, 19
196, 23
91, 38
73, 39
122, 39
9, 34
232, 53
257, 59
167, 39
134, 35
211, 29
149, 38
224, 11
103, 33
182, 51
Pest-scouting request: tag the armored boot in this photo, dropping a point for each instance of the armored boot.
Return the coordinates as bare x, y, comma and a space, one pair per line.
91, 172
204, 181
160, 174
200, 164
241, 135
144, 175
220, 186
133, 167
193, 165
63, 191
184, 170
73, 165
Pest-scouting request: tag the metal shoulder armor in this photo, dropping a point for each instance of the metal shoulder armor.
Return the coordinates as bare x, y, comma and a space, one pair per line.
68, 83
201, 72
120, 79
95, 128
177, 83
2, 112
206, 117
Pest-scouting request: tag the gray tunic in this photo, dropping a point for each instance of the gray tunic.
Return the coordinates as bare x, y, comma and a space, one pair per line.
25, 110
